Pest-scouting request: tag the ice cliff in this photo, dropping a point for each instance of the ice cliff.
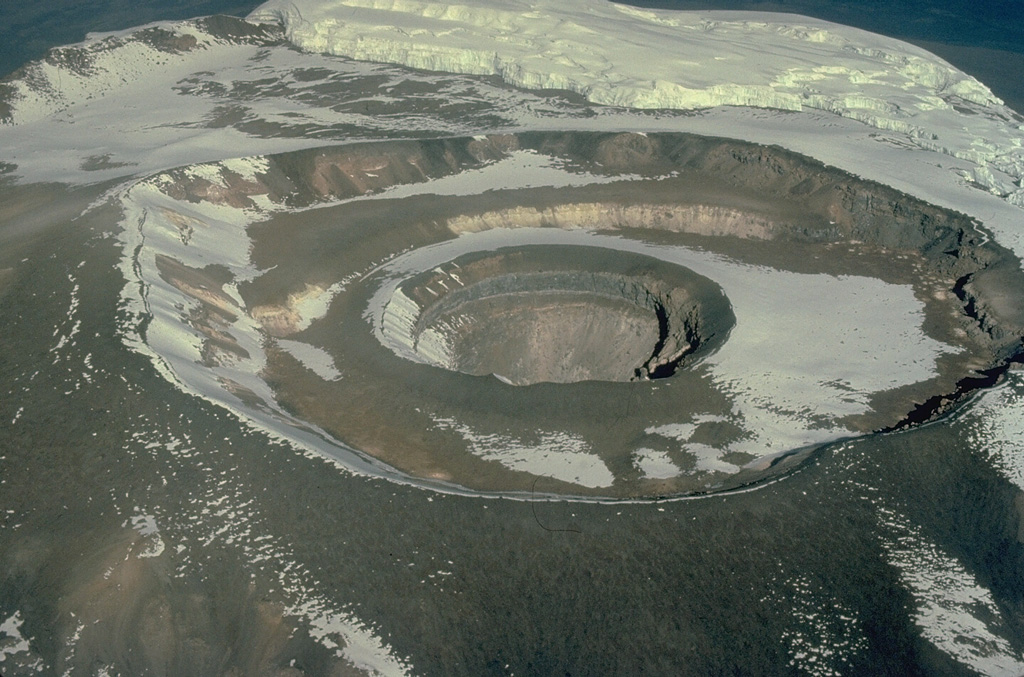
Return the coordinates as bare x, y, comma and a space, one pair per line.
617, 55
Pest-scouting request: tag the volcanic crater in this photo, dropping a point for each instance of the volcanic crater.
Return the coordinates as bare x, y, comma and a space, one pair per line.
581, 314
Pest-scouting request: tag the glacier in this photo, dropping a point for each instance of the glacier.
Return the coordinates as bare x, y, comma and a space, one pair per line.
617, 55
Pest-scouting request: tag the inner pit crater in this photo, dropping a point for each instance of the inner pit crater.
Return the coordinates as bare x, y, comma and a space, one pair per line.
557, 314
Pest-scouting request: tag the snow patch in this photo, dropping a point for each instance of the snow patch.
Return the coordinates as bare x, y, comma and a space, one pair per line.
350, 640
823, 634
655, 465
559, 455
317, 360
146, 526
954, 612
13, 643
995, 427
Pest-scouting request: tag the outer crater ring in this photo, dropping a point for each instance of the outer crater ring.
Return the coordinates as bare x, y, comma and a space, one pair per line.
363, 223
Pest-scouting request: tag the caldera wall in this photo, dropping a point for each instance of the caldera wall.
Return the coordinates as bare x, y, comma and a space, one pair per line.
365, 255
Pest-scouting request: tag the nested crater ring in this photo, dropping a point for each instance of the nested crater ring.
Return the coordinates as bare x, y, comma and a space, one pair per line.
577, 314
556, 314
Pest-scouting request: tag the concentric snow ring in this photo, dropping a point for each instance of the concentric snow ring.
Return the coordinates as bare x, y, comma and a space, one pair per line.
275, 286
